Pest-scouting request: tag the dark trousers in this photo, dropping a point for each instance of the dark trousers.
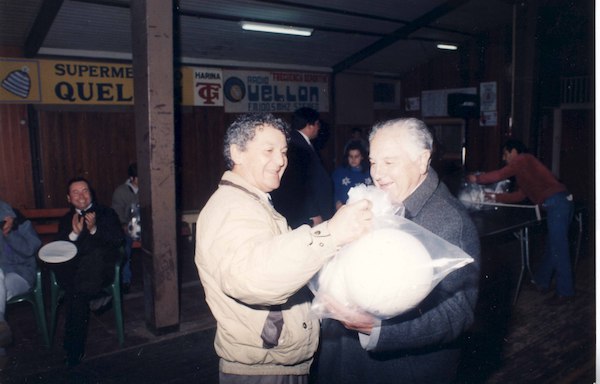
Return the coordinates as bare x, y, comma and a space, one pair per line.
76, 322
82, 279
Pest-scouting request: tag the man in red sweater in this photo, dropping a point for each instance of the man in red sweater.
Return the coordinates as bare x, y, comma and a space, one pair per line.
536, 183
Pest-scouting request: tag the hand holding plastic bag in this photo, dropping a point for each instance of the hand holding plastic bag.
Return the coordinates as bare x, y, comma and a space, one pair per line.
386, 272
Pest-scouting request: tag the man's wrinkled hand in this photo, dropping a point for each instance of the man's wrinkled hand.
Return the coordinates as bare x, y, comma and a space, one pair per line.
351, 318
472, 178
8, 224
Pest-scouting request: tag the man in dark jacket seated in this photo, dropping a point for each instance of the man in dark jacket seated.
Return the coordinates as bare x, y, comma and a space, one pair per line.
96, 232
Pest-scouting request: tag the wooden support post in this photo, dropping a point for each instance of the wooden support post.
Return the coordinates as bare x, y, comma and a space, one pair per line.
152, 43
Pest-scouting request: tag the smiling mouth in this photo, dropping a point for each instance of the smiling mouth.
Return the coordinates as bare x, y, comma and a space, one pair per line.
385, 186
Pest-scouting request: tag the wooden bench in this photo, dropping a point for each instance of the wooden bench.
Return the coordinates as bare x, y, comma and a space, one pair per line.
45, 221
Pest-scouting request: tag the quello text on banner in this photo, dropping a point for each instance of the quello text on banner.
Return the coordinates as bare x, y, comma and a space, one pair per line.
275, 91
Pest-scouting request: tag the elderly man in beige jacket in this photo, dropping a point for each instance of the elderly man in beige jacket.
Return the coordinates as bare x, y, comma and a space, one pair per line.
254, 268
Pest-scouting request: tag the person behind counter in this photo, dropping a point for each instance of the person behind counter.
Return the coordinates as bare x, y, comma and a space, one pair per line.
537, 183
421, 345
254, 268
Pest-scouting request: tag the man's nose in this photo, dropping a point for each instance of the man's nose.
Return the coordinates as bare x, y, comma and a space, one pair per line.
280, 159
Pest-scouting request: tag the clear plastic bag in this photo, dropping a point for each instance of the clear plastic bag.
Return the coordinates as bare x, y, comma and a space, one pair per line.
476, 196
384, 273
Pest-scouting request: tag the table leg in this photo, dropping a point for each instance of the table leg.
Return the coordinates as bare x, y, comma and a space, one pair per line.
523, 236
579, 221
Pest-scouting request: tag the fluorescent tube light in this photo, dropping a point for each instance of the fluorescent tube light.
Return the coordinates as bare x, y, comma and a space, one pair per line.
273, 28
450, 47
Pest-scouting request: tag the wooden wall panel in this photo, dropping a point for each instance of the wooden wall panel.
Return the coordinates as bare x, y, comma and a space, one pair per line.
98, 145
577, 166
16, 183
494, 65
200, 164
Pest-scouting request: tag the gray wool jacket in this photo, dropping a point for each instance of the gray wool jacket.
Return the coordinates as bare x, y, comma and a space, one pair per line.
420, 346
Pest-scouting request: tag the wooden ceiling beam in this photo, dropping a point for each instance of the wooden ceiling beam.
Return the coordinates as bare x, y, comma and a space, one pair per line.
41, 26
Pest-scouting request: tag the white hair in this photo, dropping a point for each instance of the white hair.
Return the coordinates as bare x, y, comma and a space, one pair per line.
416, 131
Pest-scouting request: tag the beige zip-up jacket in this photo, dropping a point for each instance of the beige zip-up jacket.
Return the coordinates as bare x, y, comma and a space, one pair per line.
249, 259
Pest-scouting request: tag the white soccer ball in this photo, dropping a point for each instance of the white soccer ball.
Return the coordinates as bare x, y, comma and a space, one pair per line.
384, 273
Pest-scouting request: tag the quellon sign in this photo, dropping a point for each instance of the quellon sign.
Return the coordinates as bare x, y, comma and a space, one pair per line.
251, 91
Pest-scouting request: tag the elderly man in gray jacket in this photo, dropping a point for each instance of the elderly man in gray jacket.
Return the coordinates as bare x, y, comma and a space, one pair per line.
419, 346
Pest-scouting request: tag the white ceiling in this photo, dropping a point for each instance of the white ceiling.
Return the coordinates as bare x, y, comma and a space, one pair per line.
209, 31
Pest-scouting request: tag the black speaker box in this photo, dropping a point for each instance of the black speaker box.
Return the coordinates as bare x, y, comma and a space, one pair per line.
463, 105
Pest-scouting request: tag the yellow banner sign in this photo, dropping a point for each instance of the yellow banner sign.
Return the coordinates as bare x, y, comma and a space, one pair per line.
65, 82
98, 83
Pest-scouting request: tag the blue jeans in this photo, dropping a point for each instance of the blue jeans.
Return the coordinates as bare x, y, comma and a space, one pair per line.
557, 261
126, 273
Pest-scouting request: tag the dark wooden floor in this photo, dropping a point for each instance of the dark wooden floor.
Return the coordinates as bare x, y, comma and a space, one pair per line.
535, 340
530, 342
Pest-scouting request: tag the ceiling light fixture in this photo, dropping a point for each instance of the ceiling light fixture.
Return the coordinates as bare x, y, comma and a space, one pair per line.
449, 47
273, 28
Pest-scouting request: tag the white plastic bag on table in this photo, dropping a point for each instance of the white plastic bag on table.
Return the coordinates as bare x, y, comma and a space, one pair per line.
386, 272
134, 226
473, 196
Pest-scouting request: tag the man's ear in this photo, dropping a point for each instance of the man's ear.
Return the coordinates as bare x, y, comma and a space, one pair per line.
68, 199
424, 159
236, 154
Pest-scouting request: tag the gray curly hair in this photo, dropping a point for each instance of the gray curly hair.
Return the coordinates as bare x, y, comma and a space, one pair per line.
243, 130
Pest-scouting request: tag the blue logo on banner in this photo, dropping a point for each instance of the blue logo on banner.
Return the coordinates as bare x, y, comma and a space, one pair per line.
234, 89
